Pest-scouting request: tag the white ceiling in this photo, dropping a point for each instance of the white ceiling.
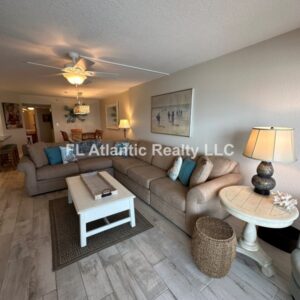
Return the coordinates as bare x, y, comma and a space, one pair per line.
167, 35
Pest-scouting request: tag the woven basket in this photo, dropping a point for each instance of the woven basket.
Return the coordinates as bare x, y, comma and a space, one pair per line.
213, 246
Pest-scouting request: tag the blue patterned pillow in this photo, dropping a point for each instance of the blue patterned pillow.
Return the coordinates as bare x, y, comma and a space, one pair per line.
67, 153
122, 148
85, 146
175, 169
186, 171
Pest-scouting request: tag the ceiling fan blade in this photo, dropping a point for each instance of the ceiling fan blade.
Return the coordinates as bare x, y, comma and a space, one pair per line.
53, 75
101, 74
122, 65
42, 65
88, 81
84, 64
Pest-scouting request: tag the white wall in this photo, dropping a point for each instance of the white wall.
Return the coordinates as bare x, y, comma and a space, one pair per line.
91, 123
256, 86
124, 113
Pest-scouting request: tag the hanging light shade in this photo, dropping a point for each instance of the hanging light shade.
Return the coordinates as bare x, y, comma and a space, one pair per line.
75, 78
81, 109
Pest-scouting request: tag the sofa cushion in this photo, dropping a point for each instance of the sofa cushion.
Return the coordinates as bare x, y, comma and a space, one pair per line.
145, 154
174, 171
37, 154
222, 166
202, 171
122, 148
172, 192
106, 146
123, 164
162, 161
68, 154
53, 155
94, 164
57, 171
187, 168
144, 175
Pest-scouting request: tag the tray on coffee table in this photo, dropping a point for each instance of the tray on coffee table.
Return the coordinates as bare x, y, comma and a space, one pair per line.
97, 185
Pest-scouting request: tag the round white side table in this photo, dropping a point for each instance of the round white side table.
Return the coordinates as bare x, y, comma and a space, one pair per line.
255, 209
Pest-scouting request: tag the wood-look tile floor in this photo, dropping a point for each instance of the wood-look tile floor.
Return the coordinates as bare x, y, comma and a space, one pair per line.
155, 264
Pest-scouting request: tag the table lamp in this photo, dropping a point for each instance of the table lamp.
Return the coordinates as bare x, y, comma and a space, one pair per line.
269, 144
124, 124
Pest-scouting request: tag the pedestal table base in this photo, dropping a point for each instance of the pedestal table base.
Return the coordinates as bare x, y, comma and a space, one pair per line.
249, 246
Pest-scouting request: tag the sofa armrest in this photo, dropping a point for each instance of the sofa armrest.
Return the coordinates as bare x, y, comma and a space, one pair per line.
27, 166
203, 199
209, 190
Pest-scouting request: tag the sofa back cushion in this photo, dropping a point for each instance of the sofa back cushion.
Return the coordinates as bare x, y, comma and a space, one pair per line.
146, 153
133, 145
202, 171
37, 154
221, 166
163, 161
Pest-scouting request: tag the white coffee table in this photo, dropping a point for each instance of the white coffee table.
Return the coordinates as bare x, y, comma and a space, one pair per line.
90, 210
243, 203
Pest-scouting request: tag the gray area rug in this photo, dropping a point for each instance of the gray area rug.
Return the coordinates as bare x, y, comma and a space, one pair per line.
65, 233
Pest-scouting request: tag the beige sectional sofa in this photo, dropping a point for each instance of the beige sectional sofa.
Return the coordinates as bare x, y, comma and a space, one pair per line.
146, 177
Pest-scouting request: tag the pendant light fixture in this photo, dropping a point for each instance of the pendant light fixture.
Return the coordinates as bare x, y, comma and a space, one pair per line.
81, 108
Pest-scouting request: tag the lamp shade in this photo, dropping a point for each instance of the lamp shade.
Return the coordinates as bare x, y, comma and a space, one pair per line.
74, 78
124, 124
271, 144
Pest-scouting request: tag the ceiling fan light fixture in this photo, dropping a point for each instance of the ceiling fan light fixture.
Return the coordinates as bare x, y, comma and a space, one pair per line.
75, 79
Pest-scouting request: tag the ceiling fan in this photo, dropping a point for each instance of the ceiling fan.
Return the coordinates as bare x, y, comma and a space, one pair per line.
77, 71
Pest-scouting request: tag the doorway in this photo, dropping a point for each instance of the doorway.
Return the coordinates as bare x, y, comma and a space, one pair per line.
38, 123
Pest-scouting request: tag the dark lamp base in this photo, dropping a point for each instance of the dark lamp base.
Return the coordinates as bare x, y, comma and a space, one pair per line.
263, 181
262, 192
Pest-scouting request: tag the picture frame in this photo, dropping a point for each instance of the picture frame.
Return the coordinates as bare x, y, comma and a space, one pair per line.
112, 116
171, 113
12, 115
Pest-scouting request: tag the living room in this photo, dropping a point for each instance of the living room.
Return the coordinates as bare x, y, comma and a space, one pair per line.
218, 79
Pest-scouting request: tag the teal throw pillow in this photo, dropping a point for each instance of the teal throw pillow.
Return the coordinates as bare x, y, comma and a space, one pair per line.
186, 171
53, 155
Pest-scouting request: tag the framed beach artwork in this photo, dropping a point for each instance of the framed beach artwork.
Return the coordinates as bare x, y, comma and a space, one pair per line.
171, 113
112, 116
12, 115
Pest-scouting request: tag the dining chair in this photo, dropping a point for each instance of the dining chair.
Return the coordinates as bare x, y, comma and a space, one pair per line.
65, 136
99, 134
76, 134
